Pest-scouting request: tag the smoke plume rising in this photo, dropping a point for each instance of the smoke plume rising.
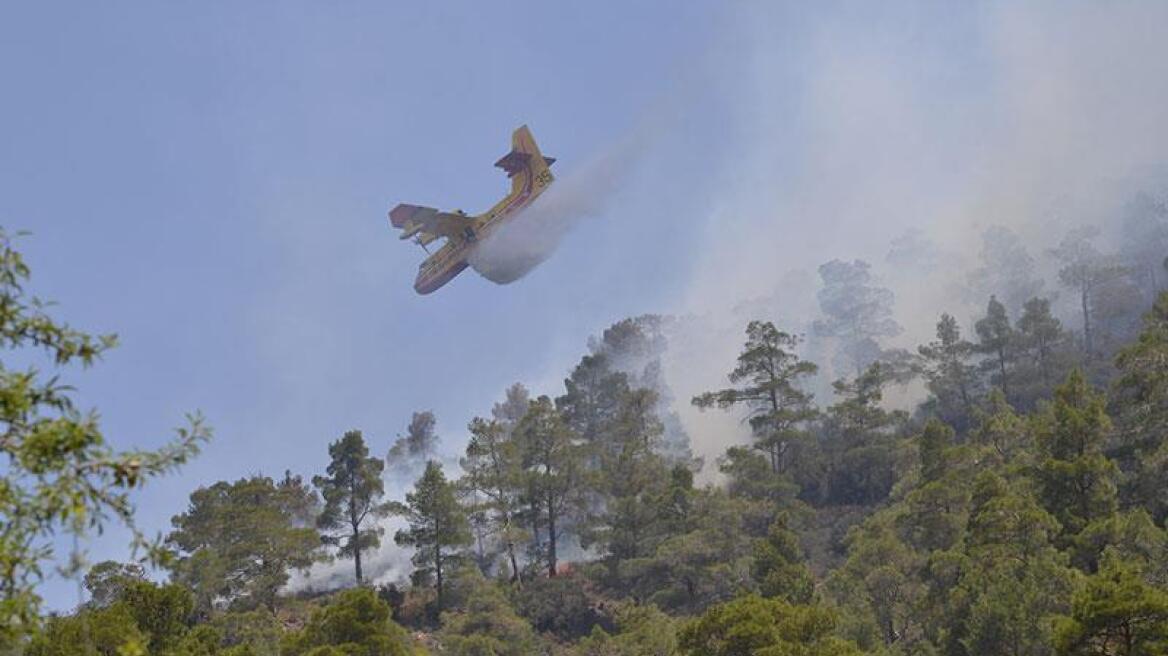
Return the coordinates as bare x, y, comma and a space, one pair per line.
899, 134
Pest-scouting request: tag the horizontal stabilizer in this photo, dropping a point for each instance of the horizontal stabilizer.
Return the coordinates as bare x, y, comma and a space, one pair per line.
515, 161
523, 149
428, 223
404, 214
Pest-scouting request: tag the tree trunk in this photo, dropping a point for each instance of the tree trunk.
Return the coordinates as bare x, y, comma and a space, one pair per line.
551, 539
516, 578
438, 572
1043, 362
269, 594
1002, 368
355, 522
966, 404
775, 465
357, 555
1084, 296
480, 549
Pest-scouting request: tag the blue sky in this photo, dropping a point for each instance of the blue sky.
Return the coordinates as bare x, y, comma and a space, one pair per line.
210, 181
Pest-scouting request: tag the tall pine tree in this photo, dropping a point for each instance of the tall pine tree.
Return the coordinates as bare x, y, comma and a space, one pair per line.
352, 492
770, 376
437, 525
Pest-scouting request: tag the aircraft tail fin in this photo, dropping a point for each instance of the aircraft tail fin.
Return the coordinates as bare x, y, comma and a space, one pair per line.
525, 158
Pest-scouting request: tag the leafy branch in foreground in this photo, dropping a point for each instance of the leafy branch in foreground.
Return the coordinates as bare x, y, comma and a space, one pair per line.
59, 472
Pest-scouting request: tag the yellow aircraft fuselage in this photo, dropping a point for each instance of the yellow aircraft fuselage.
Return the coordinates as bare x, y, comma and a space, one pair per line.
530, 176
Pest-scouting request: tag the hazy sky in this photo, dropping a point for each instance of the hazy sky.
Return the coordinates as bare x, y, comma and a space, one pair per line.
210, 181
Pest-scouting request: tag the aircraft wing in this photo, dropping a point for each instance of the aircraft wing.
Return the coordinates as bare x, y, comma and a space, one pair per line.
427, 223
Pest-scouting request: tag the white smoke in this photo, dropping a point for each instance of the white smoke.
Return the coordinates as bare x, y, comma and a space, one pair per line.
388, 563
863, 124
526, 240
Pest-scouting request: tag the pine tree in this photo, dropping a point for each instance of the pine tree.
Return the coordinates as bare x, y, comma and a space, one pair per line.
1007, 269
494, 470
417, 446
1076, 481
934, 440
1013, 579
1040, 333
250, 534
1145, 240
106, 581
778, 565
1084, 270
996, 340
778, 408
627, 523
1117, 613
1000, 428
552, 471
938, 506
1142, 386
855, 310
753, 625
1141, 398
950, 377
437, 525
511, 409
592, 397
860, 441
352, 491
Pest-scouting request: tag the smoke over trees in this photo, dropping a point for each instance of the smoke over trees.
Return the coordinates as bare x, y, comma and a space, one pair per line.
855, 311
1006, 270
411, 451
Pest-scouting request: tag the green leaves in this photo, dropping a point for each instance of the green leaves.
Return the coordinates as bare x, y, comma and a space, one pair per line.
488, 626
353, 622
1116, 612
1076, 481
61, 472
764, 627
952, 379
239, 540
778, 565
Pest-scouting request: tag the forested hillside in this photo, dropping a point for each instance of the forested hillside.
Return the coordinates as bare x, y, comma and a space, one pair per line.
1017, 506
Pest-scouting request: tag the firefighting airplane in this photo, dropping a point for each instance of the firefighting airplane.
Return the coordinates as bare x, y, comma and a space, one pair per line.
530, 175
